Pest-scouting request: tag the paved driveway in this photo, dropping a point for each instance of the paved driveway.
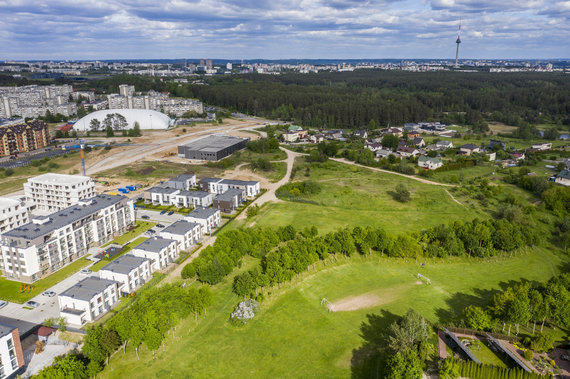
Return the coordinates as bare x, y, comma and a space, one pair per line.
26, 319
157, 217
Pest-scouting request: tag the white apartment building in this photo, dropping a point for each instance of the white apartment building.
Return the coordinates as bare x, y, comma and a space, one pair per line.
11, 355
208, 218
126, 90
13, 213
87, 300
185, 233
160, 195
182, 182
129, 271
53, 192
48, 243
219, 186
160, 251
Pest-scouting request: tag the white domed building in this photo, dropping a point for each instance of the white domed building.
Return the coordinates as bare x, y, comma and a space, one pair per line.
123, 119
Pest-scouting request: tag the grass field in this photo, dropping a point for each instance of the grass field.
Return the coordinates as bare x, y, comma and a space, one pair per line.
10, 290
159, 170
357, 196
97, 266
140, 228
276, 174
293, 335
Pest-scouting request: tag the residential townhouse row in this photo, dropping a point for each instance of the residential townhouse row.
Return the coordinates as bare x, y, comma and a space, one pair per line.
92, 297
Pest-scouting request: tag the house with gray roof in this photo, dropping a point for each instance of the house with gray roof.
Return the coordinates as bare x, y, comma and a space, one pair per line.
160, 195
429, 163
188, 199
182, 182
219, 186
48, 243
160, 251
563, 178
208, 218
228, 201
185, 233
129, 271
87, 300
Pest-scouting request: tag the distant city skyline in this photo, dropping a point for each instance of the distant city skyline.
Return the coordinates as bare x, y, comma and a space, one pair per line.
288, 29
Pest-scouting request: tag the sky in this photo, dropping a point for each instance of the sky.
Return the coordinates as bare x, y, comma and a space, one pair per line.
283, 29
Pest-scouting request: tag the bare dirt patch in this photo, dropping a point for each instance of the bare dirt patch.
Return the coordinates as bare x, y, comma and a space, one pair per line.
353, 303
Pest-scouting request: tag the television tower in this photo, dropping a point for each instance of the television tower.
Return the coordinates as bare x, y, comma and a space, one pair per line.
458, 41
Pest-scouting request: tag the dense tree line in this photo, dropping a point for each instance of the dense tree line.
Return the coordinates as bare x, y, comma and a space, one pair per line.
352, 99
285, 252
263, 145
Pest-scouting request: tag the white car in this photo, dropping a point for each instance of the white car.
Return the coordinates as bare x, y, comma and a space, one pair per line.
85, 271
32, 304
49, 293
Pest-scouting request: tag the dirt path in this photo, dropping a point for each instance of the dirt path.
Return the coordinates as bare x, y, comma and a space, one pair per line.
342, 160
353, 303
452, 198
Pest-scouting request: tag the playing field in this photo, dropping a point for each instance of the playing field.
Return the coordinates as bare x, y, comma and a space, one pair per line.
293, 335
354, 196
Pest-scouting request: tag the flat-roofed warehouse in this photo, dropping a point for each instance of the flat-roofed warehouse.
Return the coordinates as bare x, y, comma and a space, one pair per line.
212, 148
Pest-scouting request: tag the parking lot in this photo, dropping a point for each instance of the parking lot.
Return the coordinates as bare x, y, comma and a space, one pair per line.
155, 216
26, 161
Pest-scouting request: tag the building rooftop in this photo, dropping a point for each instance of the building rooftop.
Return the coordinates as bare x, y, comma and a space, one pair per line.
200, 194
180, 227
565, 174
214, 143
124, 264
239, 182
87, 288
47, 224
202, 213
164, 190
210, 180
470, 146
182, 178
154, 244
61, 179
6, 329
229, 195
6, 202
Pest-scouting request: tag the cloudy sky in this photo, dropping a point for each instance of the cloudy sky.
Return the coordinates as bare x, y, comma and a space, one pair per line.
275, 29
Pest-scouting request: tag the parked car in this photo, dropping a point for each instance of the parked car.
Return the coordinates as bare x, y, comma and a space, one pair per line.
32, 304
3, 304
163, 212
145, 217
170, 213
160, 226
49, 293
85, 271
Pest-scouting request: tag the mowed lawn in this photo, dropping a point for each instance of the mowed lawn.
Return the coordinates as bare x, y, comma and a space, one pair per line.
293, 335
357, 196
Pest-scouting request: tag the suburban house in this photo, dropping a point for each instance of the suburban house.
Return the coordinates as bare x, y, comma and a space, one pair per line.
361, 134
419, 142
160, 251
160, 195
374, 146
492, 156
430, 163
414, 134
407, 152
182, 182
518, 156
291, 136
383, 153
317, 138
442, 145
186, 234
542, 146
194, 199
11, 354
87, 300
469, 149
129, 271
563, 178
228, 201
219, 186
208, 218
495, 142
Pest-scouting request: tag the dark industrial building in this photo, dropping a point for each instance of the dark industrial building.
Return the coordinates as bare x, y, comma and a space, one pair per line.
212, 148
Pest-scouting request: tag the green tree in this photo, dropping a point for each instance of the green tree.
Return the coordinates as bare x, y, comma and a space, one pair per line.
109, 131
402, 194
405, 334
447, 370
390, 141
477, 318
405, 365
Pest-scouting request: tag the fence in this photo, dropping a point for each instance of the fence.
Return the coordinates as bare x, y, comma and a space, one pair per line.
473, 332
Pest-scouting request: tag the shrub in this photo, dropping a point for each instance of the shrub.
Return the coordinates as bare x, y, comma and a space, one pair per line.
188, 271
528, 355
543, 343
402, 194
9, 172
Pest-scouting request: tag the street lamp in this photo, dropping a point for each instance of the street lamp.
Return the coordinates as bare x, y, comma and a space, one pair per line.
150, 115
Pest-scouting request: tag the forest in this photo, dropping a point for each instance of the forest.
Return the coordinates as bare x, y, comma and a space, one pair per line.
352, 99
